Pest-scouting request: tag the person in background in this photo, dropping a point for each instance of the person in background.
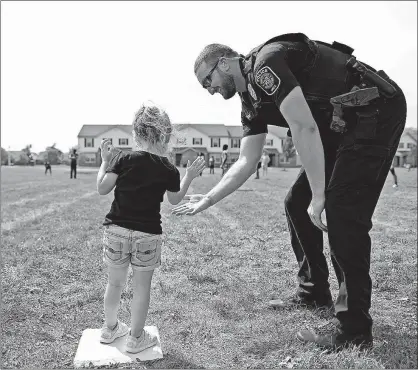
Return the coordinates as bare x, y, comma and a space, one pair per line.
132, 234
211, 165
265, 160
224, 159
73, 163
257, 174
201, 155
48, 167
395, 178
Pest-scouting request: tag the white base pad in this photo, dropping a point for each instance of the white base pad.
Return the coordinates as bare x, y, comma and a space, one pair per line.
90, 350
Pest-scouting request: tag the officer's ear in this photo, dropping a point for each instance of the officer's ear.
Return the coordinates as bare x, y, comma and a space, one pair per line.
223, 64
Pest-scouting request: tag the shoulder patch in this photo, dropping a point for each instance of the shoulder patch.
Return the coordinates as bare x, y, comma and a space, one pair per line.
267, 80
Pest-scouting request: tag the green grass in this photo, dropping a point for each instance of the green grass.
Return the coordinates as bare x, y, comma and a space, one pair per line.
209, 298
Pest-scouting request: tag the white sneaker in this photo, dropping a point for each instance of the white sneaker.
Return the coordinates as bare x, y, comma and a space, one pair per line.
394, 186
135, 345
108, 336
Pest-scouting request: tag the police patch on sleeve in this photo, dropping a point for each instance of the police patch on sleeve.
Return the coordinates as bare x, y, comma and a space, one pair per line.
267, 80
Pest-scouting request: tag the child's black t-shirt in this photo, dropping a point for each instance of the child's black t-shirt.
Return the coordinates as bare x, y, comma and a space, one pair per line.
143, 178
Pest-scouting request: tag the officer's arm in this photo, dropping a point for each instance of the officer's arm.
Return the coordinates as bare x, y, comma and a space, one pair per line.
242, 169
305, 134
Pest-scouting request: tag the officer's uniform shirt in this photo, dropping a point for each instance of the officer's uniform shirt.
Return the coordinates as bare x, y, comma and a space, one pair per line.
270, 77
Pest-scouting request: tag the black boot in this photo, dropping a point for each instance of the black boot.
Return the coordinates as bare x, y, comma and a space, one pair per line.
331, 337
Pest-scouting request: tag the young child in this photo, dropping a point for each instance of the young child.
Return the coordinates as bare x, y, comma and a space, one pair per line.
211, 165
48, 167
133, 231
265, 160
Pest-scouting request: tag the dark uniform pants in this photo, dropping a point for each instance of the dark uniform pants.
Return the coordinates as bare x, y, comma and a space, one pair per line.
73, 170
355, 174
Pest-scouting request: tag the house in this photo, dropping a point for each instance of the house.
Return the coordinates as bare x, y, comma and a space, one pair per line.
189, 140
407, 142
209, 139
90, 137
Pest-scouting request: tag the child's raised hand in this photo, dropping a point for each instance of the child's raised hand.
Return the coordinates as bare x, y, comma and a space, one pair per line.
106, 150
193, 170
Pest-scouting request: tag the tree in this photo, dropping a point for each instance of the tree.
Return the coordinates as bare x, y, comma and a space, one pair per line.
289, 149
4, 156
27, 151
412, 157
53, 154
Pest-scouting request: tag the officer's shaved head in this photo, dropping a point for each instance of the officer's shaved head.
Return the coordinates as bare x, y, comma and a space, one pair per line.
213, 52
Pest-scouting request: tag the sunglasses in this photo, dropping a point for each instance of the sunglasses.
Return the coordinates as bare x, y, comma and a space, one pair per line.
207, 82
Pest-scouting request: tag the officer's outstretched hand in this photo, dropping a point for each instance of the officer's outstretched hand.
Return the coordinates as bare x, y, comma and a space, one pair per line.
194, 198
315, 210
190, 209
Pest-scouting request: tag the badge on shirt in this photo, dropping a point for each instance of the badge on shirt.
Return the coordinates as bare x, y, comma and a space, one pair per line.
252, 92
267, 80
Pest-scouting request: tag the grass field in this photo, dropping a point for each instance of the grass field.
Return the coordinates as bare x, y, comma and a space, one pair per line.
209, 298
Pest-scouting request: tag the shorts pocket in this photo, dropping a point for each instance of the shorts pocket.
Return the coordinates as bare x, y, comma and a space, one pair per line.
147, 251
113, 248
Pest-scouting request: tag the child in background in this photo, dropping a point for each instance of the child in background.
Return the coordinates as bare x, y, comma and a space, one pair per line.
211, 165
265, 160
133, 230
48, 167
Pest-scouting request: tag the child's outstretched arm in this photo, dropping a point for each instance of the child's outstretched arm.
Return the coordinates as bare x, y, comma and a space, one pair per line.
193, 170
105, 181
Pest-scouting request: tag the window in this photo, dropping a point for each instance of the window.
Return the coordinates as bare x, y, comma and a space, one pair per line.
236, 143
90, 158
401, 145
181, 141
123, 141
410, 145
269, 142
197, 141
88, 142
105, 138
215, 142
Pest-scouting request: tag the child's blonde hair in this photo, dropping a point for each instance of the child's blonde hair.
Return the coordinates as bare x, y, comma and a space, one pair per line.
152, 127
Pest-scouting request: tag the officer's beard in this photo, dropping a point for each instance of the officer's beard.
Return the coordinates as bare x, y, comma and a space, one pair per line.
228, 87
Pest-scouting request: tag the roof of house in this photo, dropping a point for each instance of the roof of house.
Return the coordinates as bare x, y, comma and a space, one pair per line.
411, 131
218, 130
235, 131
96, 130
278, 131
212, 130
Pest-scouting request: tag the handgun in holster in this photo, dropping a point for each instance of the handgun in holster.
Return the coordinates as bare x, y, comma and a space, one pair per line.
372, 85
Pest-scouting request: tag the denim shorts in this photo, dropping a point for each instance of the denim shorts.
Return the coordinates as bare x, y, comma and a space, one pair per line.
123, 246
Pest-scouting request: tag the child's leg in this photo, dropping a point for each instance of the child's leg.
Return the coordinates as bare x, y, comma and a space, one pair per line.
140, 301
116, 282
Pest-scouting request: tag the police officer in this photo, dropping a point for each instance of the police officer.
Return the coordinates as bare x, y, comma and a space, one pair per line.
288, 81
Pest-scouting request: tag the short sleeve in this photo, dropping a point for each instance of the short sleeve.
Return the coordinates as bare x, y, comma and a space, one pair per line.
116, 163
272, 74
174, 181
252, 125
